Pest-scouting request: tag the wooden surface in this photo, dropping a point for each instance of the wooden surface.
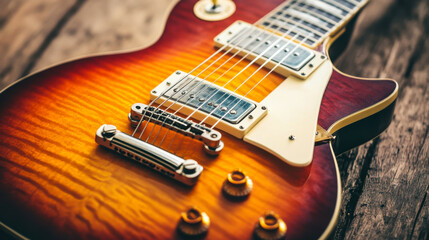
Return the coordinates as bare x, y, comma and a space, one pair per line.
385, 182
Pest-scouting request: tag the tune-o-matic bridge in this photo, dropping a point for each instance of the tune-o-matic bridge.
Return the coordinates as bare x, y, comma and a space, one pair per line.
210, 137
185, 171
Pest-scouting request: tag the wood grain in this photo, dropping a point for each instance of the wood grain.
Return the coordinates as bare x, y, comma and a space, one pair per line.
38, 34
388, 41
385, 182
54, 172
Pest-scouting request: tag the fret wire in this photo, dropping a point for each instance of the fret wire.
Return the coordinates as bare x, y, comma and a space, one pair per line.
321, 36
283, 28
338, 5
292, 22
355, 2
305, 30
318, 21
332, 22
346, 3
296, 6
306, 17
310, 5
321, 5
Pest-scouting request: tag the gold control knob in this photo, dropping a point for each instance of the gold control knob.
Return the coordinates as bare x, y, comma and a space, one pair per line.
270, 227
214, 10
237, 185
193, 223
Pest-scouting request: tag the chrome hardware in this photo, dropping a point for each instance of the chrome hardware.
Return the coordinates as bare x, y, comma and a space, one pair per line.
233, 120
210, 137
207, 93
296, 64
185, 171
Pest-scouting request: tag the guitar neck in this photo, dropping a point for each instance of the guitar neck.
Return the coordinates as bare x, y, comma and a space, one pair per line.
312, 20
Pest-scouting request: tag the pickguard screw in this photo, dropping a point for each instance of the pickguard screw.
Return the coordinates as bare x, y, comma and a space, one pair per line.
264, 108
250, 116
317, 133
291, 137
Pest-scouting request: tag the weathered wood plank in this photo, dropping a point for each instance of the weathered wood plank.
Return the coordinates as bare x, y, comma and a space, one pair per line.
106, 26
37, 34
385, 181
26, 27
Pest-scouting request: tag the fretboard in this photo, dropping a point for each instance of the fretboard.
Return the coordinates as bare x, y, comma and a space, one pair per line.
311, 21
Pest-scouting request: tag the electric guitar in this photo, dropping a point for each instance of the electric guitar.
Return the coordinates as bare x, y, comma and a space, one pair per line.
222, 129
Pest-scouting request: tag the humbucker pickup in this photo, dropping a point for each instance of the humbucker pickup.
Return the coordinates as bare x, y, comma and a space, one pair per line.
201, 99
210, 137
295, 59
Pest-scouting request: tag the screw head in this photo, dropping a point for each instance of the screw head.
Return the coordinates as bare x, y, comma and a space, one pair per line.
264, 108
190, 166
250, 116
108, 131
291, 137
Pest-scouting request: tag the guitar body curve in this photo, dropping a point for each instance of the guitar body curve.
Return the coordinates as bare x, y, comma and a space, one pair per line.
57, 183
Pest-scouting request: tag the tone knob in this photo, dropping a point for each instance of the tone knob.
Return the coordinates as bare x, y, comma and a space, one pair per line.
270, 227
237, 185
193, 223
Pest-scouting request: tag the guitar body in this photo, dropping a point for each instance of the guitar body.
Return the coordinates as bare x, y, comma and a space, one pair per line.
57, 183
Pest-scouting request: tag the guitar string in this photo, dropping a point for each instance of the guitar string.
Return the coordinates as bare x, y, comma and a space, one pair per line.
156, 108
211, 83
242, 97
152, 113
169, 117
287, 44
268, 60
178, 82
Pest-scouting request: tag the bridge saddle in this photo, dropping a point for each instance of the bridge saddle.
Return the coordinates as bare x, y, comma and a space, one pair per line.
210, 137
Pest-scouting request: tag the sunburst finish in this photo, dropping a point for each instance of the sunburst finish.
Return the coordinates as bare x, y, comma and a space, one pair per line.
56, 182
